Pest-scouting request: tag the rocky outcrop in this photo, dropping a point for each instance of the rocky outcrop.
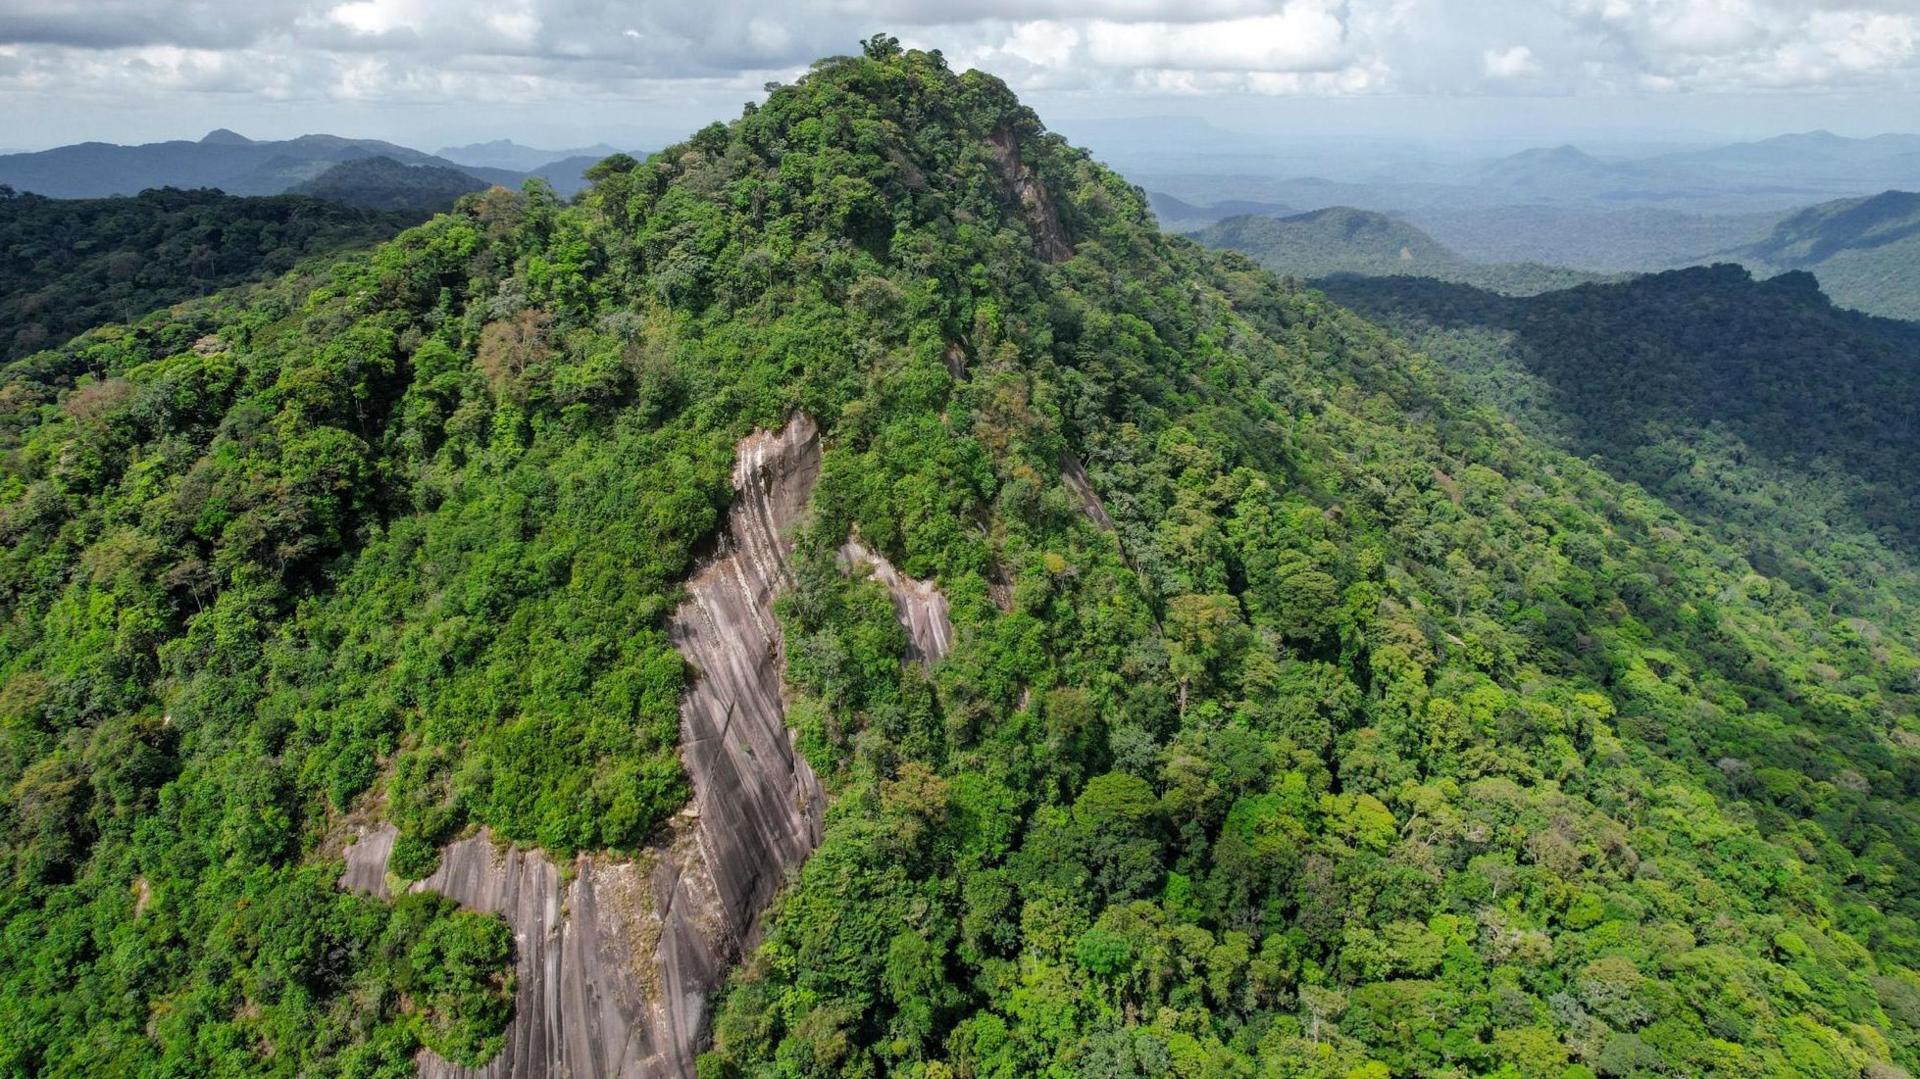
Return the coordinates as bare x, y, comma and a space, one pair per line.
1031, 194
582, 996
919, 605
366, 859
1075, 474
618, 965
757, 803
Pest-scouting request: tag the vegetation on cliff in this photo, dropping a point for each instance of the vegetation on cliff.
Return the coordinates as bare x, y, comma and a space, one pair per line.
1375, 737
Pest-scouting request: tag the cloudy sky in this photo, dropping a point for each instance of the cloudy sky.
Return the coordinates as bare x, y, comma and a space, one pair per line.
430, 72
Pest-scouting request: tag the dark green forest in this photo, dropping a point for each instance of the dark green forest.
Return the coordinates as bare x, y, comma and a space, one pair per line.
381, 183
1378, 737
67, 265
1785, 426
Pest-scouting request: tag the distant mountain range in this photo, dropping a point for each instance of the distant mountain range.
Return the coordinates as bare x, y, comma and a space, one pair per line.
1770, 175
237, 165
1176, 215
1605, 239
1344, 240
508, 154
1864, 253
1786, 169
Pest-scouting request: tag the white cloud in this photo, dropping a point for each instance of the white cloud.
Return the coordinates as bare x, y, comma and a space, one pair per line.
1044, 44
1511, 62
376, 16
550, 52
1307, 35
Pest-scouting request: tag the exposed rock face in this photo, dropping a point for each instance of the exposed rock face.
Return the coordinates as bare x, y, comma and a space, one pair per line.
758, 804
921, 608
1075, 474
617, 967
1036, 202
580, 990
367, 861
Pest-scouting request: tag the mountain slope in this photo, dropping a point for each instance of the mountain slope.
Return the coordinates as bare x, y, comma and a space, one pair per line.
1196, 684
67, 265
1343, 240
1866, 252
1781, 424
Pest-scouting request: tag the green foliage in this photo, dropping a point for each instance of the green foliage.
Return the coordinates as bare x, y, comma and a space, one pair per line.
1359, 748
1772, 420
453, 980
67, 265
1375, 737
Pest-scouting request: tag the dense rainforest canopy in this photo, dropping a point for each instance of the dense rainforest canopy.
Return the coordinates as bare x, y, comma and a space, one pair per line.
1374, 738
1788, 428
67, 265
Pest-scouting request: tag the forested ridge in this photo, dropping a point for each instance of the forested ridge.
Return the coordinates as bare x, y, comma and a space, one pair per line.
1865, 251
1375, 737
67, 265
1783, 425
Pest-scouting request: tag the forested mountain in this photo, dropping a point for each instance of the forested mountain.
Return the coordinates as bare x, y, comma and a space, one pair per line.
1290, 714
568, 176
381, 183
67, 265
1865, 252
1178, 216
1781, 424
1343, 240
222, 159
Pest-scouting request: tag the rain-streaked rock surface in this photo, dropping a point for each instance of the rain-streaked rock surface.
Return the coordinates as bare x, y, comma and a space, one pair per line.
919, 605
1075, 474
1031, 194
617, 967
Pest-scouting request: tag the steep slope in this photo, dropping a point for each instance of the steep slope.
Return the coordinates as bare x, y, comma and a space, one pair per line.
1865, 252
619, 963
1784, 426
67, 265
1343, 240
1354, 732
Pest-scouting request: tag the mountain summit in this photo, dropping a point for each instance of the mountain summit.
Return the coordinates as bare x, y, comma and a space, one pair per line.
849, 595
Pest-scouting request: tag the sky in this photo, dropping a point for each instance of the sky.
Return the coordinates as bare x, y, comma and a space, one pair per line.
558, 73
